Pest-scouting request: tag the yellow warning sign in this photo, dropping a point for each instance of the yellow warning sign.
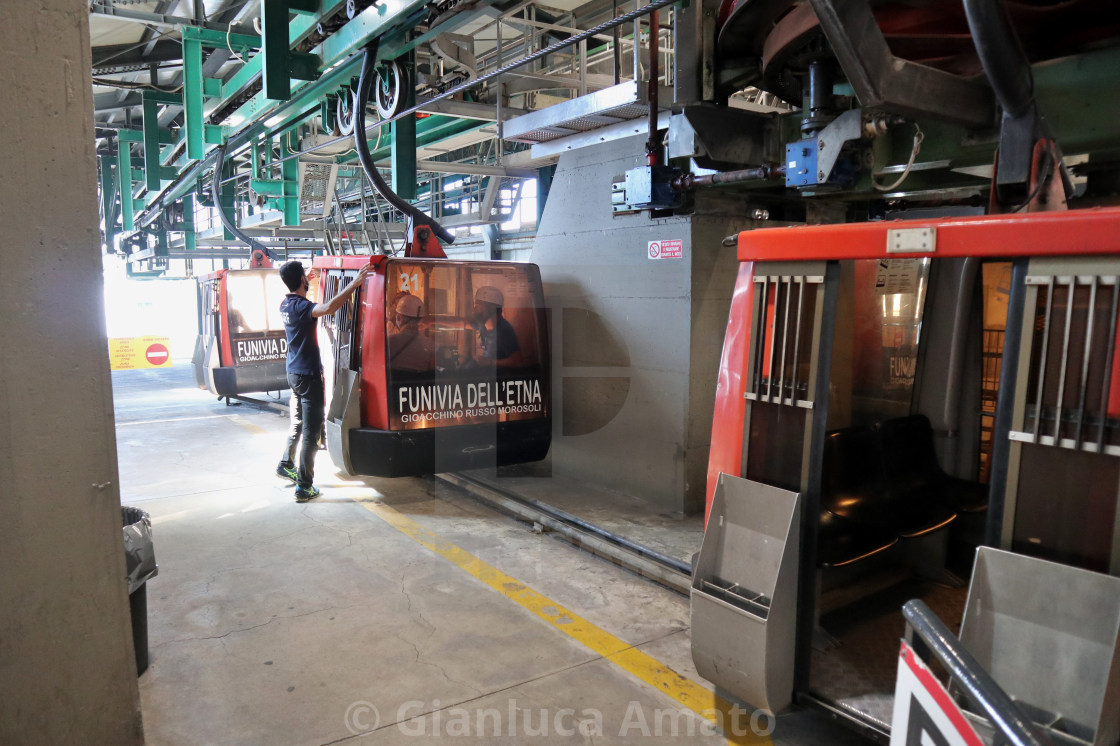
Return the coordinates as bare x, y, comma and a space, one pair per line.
127, 353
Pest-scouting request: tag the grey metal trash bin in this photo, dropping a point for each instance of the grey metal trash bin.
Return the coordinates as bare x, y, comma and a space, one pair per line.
140, 561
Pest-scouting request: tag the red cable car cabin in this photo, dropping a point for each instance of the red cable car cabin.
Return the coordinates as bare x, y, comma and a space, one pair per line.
893, 395
418, 382
241, 346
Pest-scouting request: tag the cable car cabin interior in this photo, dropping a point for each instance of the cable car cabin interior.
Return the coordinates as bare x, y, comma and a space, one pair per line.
435, 365
241, 347
880, 415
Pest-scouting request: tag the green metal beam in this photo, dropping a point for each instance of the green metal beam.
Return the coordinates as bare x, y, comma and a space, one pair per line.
190, 239
219, 40
153, 171
403, 159
328, 111
227, 194
303, 66
1071, 94
243, 77
246, 123
284, 192
109, 189
275, 51
268, 187
404, 143
298, 29
164, 97
196, 87
289, 173
192, 96
125, 138
279, 63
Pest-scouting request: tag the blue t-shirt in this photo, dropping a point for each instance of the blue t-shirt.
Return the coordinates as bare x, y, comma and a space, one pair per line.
299, 328
498, 343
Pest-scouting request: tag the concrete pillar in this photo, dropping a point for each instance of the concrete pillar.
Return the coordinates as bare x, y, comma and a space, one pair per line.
636, 340
67, 671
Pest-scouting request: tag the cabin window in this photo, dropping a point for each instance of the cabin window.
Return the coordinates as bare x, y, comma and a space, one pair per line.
253, 300
465, 343
453, 324
256, 327
878, 330
997, 293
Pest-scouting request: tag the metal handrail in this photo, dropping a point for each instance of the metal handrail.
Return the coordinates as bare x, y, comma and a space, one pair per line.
981, 689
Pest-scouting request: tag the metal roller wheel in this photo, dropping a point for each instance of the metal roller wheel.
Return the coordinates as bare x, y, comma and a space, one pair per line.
389, 89
344, 113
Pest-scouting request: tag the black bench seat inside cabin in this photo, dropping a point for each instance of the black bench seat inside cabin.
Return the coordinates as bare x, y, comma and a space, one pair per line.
911, 464
881, 484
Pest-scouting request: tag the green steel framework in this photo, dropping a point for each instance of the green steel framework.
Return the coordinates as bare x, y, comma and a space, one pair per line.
291, 86
287, 87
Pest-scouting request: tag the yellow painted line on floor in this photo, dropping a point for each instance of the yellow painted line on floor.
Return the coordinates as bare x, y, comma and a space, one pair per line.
254, 429
643, 667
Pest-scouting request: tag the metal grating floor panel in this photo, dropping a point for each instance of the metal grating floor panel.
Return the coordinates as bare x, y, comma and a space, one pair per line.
619, 103
859, 674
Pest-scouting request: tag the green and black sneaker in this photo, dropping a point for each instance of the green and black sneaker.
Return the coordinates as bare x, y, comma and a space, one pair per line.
305, 494
287, 472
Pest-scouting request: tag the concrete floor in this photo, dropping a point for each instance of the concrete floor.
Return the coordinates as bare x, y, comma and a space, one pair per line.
386, 611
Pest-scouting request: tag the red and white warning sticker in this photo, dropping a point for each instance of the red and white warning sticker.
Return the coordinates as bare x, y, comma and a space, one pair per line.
670, 248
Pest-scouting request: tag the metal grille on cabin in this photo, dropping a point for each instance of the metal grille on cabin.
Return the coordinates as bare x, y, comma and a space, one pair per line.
784, 311
1069, 402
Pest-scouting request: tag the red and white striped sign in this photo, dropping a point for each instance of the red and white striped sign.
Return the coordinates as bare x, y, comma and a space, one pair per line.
924, 713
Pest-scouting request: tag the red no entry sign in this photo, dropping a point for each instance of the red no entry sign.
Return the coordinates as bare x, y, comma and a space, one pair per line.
157, 354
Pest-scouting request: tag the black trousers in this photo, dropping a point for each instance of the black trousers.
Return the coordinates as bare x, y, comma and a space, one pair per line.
306, 408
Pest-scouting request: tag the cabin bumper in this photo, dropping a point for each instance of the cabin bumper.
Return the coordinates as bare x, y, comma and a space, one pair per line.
404, 453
